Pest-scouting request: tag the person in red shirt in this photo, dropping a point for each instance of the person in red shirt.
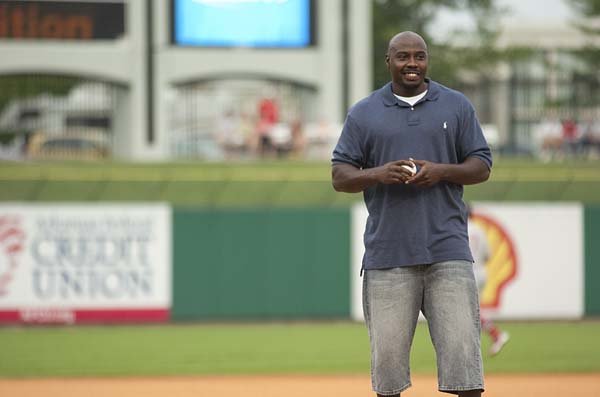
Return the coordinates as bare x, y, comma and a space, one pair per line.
268, 112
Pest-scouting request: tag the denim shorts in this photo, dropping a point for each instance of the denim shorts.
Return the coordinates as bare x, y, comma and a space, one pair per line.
447, 295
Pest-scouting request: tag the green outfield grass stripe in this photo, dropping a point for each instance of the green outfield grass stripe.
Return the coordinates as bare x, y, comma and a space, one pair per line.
157, 175
243, 173
546, 176
295, 348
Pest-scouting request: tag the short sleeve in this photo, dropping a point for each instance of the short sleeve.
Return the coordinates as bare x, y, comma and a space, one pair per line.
350, 146
472, 142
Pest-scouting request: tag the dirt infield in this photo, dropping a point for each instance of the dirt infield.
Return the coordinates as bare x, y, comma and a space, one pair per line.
551, 385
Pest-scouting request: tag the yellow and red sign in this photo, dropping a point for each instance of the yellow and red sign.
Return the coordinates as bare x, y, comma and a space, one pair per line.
502, 264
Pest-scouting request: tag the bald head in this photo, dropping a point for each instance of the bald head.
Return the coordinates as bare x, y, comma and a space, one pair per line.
406, 60
408, 38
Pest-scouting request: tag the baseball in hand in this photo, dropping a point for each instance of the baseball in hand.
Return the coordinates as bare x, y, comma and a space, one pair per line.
412, 168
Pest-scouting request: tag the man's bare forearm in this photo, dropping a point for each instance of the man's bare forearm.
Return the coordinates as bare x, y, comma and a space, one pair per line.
350, 179
471, 172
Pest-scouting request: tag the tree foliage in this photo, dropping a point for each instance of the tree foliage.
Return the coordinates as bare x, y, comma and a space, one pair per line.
589, 8
588, 22
478, 53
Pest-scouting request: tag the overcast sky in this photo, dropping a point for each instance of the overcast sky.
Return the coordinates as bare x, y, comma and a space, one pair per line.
539, 10
532, 12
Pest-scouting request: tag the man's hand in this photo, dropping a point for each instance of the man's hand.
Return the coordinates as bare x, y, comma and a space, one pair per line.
473, 170
393, 172
428, 174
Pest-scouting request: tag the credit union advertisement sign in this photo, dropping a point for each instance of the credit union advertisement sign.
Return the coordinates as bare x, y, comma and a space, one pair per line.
73, 263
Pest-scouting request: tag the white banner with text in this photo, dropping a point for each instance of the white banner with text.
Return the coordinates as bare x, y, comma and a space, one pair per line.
77, 263
535, 268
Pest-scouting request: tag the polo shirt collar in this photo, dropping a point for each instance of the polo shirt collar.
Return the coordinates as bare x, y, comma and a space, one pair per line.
389, 99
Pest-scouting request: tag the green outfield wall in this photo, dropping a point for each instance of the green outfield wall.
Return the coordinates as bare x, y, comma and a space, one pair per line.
272, 239
592, 260
261, 263
289, 263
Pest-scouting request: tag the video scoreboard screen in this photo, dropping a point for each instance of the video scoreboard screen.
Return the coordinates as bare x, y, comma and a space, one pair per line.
242, 23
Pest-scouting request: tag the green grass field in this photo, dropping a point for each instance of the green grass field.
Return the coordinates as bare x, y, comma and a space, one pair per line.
276, 348
272, 183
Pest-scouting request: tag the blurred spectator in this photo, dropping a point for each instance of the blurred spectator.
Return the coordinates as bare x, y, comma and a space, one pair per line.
281, 139
288, 139
298, 139
268, 110
268, 117
548, 138
247, 126
570, 136
229, 134
590, 139
321, 138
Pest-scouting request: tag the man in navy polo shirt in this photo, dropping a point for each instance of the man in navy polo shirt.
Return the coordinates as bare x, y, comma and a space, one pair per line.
417, 254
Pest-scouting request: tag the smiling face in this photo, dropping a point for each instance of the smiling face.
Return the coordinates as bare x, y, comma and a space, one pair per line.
407, 62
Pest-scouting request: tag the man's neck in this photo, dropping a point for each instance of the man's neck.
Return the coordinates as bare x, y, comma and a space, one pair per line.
408, 91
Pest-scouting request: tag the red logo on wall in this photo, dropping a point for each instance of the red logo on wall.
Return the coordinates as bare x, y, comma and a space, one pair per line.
12, 238
502, 264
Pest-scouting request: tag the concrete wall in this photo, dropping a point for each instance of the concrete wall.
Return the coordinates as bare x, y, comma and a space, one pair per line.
120, 62
124, 62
